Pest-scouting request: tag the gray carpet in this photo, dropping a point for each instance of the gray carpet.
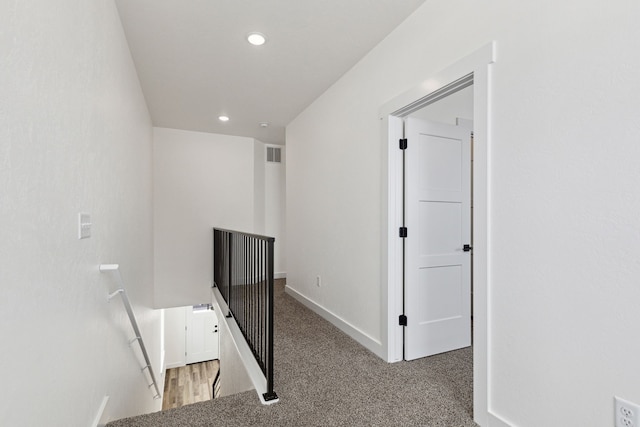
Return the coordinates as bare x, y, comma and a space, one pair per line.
324, 378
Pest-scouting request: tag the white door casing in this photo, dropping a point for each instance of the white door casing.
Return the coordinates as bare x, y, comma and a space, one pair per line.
202, 336
477, 64
438, 220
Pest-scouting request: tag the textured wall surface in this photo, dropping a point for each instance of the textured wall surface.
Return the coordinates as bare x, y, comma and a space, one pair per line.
564, 227
75, 135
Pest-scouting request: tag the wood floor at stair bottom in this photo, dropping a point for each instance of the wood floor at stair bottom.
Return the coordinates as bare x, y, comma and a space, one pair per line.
189, 384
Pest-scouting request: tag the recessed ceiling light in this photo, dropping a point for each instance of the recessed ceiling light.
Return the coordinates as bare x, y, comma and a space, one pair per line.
223, 118
264, 124
256, 39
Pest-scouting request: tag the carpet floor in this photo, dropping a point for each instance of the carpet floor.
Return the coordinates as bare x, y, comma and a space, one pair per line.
324, 378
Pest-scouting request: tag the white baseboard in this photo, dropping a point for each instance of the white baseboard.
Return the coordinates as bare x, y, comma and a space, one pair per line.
496, 421
175, 365
365, 340
101, 417
282, 275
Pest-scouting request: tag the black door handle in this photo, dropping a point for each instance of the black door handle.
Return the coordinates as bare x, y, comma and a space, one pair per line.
467, 248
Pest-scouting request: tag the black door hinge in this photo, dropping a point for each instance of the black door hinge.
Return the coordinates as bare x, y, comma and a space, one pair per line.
403, 143
402, 320
467, 248
403, 232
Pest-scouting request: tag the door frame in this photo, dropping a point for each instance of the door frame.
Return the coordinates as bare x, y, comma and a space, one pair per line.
475, 67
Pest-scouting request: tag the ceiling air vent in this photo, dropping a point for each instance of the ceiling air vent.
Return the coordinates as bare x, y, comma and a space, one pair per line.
273, 154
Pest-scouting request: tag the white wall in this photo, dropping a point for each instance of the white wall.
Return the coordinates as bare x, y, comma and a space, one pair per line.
275, 211
174, 337
201, 181
75, 135
259, 187
563, 207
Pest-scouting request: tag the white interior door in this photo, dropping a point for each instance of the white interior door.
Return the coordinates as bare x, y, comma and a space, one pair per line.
438, 221
202, 342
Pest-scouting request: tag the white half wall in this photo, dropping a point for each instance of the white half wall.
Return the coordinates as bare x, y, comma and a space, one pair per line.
234, 377
563, 223
201, 181
75, 135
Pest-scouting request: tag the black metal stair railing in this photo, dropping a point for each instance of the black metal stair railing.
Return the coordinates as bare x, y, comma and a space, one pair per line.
243, 273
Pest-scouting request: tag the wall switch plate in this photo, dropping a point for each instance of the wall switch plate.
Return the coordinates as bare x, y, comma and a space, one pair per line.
627, 414
84, 225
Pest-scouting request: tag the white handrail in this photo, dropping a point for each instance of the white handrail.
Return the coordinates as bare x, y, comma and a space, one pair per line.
132, 317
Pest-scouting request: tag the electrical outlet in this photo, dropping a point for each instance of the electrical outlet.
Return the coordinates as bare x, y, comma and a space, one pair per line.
627, 414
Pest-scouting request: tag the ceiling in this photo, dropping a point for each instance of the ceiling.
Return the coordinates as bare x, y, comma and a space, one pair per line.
195, 64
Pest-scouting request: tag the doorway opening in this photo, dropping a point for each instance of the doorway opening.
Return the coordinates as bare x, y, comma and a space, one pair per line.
437, 170
472, 71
